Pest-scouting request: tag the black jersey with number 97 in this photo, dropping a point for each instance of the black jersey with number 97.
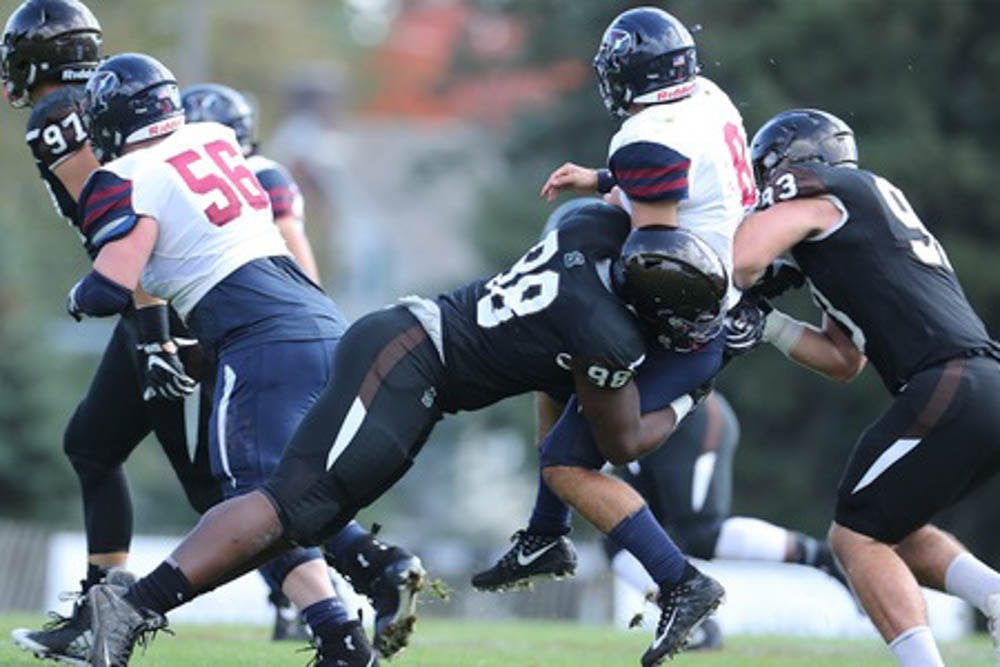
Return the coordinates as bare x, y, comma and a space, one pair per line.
520, 330
55, 132
880, 274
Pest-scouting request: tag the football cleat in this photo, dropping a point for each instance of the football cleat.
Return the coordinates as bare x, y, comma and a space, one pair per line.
533, 556
683, 608
68, 639
993, 623
350, 648
118, 626
392, 579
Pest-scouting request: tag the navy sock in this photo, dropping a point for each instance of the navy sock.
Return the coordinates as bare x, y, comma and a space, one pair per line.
324, 617
341, 545
645, 539
163, 589
550, 515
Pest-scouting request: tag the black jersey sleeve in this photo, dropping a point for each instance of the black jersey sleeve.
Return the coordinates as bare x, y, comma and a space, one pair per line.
608, 344
55, 130
282, 190
105, 213
795, 182
54, 133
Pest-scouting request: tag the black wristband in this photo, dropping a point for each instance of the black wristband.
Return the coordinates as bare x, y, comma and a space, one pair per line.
605, 181
153, 323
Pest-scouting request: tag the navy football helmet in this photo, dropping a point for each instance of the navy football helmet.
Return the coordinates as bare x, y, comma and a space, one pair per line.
222, 104
48, 41
646, 56
566, 209
131, 98
675, 283
801, 135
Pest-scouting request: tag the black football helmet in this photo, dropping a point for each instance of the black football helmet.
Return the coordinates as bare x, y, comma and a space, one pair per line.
222, 104
48, 40
675, 283
801, 135
646, 56
131, 98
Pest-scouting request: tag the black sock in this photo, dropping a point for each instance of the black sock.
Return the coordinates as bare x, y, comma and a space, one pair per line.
95, 575
162, 590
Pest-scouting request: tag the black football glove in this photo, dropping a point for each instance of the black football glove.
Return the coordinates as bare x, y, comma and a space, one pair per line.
165, 375
744, 325
779, 277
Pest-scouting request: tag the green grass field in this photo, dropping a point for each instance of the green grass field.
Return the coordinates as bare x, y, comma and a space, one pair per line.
509, 644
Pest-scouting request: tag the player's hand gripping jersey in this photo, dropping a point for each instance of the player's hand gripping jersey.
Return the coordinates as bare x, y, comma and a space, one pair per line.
55, 132
693, 151
880, 274
520, 330
213, 214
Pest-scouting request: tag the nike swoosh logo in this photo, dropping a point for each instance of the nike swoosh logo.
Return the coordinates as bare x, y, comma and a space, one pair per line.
525, 560
666, 631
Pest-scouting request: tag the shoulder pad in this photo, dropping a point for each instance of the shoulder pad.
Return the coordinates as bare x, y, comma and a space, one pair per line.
793, 182
55, 129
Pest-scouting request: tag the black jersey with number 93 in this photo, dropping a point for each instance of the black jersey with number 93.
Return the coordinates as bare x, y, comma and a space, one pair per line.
880, 273
519, 330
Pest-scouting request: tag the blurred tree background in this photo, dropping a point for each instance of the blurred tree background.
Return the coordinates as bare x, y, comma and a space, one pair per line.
915, 78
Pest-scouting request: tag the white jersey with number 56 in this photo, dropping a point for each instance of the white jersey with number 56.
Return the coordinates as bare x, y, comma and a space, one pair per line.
213, 215
692, 151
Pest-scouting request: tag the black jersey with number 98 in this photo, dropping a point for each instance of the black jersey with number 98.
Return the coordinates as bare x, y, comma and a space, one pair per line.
519, 330
880, 274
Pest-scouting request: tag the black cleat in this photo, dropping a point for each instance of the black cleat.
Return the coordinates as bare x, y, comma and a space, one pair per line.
68, 639
288, 623
348, 649
683, 608
392, 579
532, 556
118, 626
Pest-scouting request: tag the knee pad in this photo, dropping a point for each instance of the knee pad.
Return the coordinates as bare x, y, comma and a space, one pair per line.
276, 570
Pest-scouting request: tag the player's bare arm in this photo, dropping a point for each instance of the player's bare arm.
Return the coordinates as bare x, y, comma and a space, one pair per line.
827, 350
122, 260
570, 177
622, 433
292, 231
765, 235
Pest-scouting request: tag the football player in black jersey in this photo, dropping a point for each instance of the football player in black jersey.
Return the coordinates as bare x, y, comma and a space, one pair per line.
889, 296
49, 49
552, 322
387, 574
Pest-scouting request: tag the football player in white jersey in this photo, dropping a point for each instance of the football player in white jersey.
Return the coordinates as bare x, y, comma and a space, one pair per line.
176, 212
387, 574
680, 159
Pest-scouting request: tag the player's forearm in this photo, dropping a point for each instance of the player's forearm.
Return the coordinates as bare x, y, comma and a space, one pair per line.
817, 349
298, 244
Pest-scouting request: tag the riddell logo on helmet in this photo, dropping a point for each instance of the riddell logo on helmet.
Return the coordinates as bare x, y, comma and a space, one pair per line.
675, 92
77, 74
165, 127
